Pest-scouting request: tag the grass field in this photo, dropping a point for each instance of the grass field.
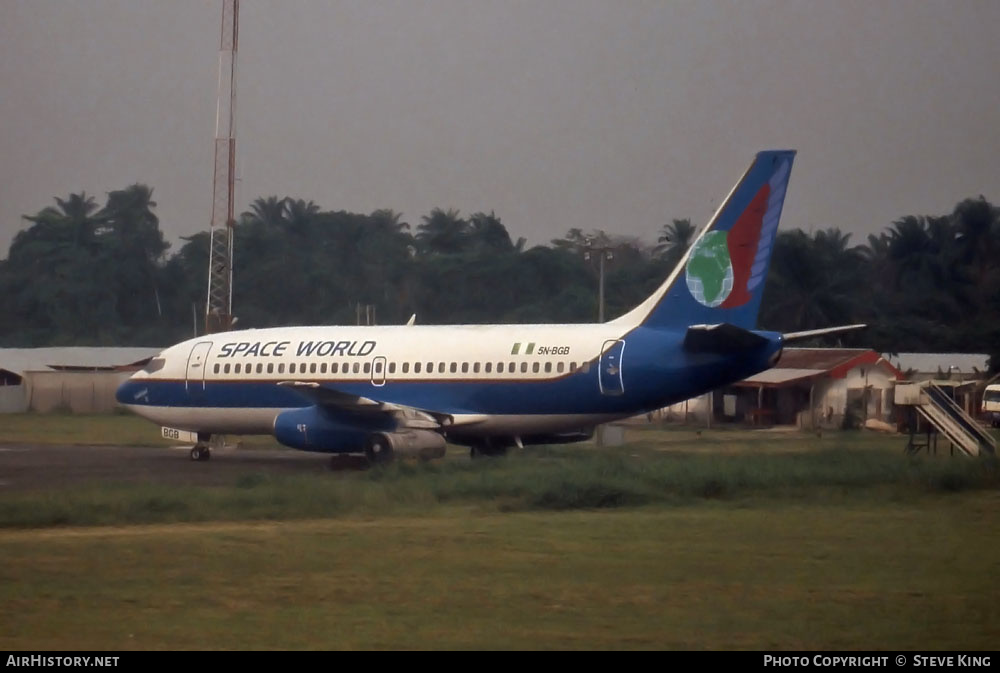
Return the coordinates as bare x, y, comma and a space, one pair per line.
721, 540
894, 576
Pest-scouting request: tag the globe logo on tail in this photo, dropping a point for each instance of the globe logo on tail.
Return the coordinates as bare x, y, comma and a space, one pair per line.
725, 266
709, 271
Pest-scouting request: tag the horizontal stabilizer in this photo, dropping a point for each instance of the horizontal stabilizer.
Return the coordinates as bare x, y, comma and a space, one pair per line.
809, 334
721, 338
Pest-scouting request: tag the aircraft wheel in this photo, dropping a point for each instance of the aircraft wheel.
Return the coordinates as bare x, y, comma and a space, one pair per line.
201, 453
378, 450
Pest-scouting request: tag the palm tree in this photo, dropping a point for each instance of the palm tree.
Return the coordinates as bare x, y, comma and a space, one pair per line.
71, 223
813, 281
442, 232
675, 238
266, 212
976, 224
300, 215
488, 233
134, 249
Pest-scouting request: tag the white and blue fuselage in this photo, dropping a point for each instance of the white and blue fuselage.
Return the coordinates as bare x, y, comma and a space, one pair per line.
347, 389
511, 381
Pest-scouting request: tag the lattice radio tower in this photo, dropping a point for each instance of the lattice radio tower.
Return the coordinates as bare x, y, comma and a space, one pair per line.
219, 307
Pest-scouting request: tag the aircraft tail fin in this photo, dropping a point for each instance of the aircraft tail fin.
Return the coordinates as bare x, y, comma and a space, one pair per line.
721, 277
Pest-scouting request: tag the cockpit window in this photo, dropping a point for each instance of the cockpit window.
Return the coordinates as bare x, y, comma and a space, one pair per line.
154, 365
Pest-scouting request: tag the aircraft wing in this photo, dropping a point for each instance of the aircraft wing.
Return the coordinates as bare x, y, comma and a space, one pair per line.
409, 417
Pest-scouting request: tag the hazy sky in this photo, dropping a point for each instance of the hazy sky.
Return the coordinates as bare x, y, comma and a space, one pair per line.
612, 114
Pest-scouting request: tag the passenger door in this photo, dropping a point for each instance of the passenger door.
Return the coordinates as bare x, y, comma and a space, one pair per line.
194, 379
609, 370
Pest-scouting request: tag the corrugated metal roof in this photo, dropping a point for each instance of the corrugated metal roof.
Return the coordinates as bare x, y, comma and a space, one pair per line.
778, 376
825, 359
20, 360
801, 364
931, 363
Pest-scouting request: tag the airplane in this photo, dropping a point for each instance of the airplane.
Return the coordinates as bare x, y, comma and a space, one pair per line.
405, 390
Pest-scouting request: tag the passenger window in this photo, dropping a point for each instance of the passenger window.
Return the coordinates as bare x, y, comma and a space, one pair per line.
430, 367
291, 368
334, 367
585, 367
524, 367
216, 370
572, 367
465, 367
312, 368
454, 367
238, 367
548, 367
226, 368
357, 367
534, 367
368, 368
322, 368
281, 367
559, 367
416, 367
475, 367
512, 367
392, 367
270, 367
406, 367
489, 367
260, 368
441, 367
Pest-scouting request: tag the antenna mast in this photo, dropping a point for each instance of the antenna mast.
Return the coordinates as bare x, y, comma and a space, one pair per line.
219, 307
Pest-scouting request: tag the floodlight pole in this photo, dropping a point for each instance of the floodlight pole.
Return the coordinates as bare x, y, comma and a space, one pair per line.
219, 306
604, 252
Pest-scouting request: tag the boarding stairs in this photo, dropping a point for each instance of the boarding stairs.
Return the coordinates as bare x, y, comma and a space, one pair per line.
944, 414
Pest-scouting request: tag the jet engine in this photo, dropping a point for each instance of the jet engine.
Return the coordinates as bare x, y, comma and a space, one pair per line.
310, 429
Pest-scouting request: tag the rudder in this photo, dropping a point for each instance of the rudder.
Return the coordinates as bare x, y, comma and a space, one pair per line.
720, 279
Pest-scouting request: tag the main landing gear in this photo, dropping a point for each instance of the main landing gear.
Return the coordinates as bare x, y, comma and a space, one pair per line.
201, 453
202, 450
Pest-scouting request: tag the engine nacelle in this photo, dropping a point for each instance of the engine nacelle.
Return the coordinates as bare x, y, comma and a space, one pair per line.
416, 443
309, 429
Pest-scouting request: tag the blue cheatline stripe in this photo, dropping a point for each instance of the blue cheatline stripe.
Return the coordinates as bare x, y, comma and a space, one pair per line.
655, 370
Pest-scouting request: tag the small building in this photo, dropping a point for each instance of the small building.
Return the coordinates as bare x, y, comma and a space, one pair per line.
76, 379
813, 388
965, 375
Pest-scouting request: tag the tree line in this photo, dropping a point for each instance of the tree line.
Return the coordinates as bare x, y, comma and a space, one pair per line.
84, 274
